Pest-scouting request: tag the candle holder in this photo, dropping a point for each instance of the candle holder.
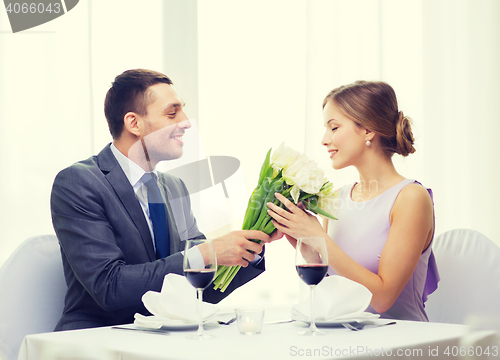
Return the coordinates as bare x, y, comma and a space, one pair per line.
250, 320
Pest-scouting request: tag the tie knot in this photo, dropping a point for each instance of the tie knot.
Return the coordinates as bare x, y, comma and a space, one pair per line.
154, 194
149, 179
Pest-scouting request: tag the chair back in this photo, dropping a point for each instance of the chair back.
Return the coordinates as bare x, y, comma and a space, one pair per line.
469, 267
32, 288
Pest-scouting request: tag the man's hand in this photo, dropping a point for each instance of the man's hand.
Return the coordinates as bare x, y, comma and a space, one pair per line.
236, 248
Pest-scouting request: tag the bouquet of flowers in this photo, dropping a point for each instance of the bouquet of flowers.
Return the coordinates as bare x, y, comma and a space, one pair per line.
296, 177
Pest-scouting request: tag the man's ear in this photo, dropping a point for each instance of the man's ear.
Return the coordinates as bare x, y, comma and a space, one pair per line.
130, 123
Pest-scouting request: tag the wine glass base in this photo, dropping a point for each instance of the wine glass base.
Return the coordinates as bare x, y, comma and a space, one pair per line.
310, 332
200, 336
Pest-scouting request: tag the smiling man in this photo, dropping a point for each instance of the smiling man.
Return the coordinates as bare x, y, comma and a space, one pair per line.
116, 242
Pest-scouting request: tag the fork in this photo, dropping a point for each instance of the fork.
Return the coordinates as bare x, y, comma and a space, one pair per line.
360, 327
227, 322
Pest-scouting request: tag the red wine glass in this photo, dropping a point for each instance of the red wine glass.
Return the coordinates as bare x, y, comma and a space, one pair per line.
200, 265
311, 262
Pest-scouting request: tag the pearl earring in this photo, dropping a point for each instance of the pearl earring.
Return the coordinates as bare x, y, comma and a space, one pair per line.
368, 142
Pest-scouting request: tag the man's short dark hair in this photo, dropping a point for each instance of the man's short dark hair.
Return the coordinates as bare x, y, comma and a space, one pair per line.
129, 93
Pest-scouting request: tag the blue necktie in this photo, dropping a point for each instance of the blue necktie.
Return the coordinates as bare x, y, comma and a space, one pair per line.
158, 214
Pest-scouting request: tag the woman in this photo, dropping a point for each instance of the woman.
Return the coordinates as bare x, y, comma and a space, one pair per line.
386, 222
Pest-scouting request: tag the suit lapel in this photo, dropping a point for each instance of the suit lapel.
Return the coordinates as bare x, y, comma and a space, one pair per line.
119, 182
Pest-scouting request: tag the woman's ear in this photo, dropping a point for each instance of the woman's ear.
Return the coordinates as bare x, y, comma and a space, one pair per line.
130, 123
369, 135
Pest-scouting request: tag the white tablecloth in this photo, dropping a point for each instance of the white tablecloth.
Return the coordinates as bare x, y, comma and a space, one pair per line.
406, 339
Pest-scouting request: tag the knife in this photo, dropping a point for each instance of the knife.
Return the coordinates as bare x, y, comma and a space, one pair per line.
154, 331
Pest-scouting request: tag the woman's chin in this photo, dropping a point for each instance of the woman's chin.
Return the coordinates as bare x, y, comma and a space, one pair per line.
337, 165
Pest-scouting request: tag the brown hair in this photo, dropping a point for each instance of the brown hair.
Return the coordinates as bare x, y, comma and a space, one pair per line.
129, 92
373, 106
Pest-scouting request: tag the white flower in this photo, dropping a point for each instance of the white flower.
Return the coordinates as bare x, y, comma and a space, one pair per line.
304, 174
329, 200
282, 157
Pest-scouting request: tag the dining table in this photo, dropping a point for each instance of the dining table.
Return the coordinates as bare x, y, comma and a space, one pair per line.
279, 339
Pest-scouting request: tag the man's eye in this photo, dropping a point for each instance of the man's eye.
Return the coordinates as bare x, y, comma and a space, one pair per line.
172, 114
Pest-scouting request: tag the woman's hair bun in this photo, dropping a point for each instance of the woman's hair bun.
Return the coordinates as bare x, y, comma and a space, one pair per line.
404, 135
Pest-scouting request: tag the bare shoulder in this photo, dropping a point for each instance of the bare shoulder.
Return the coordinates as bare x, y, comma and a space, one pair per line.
413, 197
413, 213
415, 192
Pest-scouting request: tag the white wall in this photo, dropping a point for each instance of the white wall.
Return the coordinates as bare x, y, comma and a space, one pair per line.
461, 112
46, 123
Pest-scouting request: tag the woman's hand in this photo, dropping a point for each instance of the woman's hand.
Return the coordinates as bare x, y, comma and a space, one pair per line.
276, 235
292, 240
295, 222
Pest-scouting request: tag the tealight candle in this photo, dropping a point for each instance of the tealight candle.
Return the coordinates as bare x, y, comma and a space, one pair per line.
249, 327
250, 320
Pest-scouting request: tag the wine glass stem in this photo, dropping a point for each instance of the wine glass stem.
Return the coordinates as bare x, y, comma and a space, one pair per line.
313, 327
200, 317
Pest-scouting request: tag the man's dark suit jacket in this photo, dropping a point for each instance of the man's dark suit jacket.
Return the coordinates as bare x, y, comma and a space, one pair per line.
106, 246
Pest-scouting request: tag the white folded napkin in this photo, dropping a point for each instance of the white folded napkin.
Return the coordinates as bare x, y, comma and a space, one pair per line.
335, 297
176, 304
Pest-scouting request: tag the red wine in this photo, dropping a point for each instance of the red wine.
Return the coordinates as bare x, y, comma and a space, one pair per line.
200, 279
312, 274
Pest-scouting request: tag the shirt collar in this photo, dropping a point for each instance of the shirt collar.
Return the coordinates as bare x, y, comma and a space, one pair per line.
132, 171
